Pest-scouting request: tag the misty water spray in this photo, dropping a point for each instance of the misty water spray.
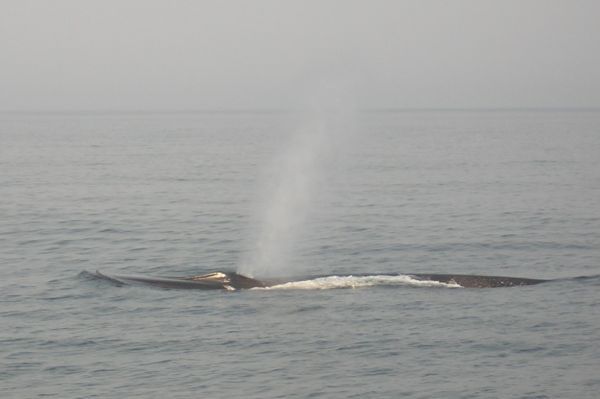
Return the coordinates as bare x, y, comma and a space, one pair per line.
294, 185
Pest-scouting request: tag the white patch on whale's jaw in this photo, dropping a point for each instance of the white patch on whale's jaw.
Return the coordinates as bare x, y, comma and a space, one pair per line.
216, 276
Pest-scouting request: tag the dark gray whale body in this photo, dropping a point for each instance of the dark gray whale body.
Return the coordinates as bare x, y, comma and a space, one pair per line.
473, 281
233, 281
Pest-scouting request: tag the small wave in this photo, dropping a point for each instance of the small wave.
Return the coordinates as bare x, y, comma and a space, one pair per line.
330, 282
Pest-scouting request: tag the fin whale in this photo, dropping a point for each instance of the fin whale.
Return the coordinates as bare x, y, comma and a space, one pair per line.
232, 281
475, 281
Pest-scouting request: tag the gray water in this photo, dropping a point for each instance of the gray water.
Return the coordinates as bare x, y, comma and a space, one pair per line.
490, 192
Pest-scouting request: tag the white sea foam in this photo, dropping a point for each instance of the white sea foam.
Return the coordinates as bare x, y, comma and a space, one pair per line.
330, 282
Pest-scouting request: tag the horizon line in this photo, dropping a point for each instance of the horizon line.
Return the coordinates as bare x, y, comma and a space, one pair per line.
269, 110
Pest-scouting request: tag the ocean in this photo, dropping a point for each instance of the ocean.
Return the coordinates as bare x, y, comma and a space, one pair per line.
491, 192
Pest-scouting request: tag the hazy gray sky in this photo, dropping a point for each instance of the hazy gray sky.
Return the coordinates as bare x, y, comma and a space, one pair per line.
142, 54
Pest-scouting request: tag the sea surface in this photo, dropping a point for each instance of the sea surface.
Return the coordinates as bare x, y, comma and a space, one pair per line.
513, 193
